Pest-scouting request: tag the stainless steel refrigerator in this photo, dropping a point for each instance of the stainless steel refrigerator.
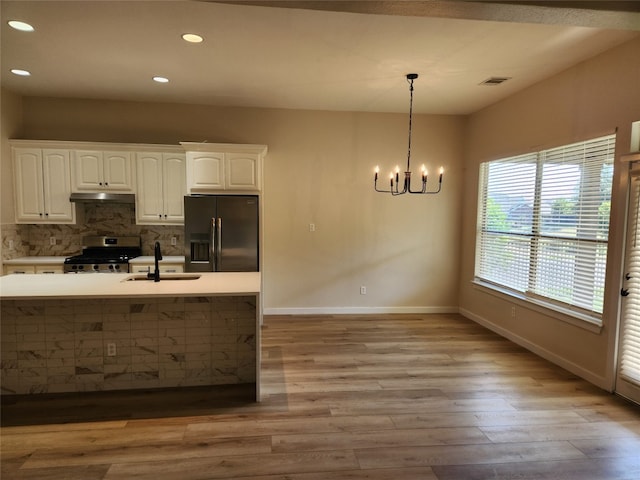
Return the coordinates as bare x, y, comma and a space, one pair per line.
221, 233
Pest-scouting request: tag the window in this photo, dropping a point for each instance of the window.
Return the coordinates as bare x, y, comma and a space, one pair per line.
543, 225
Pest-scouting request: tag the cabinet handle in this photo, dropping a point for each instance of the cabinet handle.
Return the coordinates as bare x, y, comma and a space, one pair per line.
106, 184
100, 183
46, 214
159, 215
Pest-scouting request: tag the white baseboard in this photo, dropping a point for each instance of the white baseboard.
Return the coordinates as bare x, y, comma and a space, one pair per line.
588, 375
357, 310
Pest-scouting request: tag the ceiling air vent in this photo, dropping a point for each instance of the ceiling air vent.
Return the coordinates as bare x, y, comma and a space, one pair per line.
492, 81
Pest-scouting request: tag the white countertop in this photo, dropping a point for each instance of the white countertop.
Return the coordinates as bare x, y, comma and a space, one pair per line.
44, 260
104, 285
145, 259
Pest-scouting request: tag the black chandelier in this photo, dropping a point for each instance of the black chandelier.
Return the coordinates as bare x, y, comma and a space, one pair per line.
406, 188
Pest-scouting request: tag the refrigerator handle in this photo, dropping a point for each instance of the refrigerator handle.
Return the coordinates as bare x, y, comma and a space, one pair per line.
219, 244
212, 244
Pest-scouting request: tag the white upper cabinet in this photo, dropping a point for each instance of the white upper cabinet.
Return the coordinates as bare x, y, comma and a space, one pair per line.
43, 185
224, 167
98, 171
205, 171
161, 188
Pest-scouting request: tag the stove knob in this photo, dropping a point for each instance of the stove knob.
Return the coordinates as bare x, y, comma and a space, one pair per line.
80, 267
117, 267
96, 267
110, 267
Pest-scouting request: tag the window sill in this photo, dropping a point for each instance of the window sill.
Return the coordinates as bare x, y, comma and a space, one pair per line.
586, 322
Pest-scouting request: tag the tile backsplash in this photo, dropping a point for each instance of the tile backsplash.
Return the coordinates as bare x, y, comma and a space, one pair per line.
99, 219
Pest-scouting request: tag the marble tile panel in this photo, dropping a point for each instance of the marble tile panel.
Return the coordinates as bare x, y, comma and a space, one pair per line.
143, 308
145, 374
59, 324
87, 351
61, 355
198, 335
27, 347
34, 388
148, 327
33, 372
60, 361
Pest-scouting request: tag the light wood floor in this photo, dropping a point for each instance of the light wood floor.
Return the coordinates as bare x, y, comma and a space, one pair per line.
346, 397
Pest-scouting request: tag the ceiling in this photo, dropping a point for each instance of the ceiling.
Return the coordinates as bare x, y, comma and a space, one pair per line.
320, 55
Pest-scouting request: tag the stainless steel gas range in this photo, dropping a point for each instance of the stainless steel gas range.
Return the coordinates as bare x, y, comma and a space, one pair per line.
104, 255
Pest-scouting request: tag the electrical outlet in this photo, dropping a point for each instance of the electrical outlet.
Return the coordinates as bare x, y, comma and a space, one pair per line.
52, 240
111, 349
174, 241
10, 244
363, 290
312, 227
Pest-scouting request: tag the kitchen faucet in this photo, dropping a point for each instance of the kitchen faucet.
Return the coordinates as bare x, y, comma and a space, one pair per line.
157, 256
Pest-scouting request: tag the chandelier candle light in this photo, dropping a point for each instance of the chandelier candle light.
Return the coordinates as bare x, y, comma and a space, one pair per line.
407, 174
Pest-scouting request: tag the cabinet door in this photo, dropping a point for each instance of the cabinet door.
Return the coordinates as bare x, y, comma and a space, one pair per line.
205, 171
149, 206
243, 171
49, 269
174, 187
27, 167
19, 269
56, 168
118, 171
87, 173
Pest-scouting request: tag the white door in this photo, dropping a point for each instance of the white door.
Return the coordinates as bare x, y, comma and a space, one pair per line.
29, 189
174, 187
87, 171
149, 207
242, 171
56, 169
628, 374
205, 171
118, 173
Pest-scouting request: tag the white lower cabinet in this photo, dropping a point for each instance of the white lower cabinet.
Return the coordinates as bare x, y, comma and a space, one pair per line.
49, 269
164, 268
161, 188
19, 269
33, 268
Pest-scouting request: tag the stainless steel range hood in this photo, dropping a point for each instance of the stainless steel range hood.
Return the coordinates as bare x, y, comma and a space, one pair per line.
103, 197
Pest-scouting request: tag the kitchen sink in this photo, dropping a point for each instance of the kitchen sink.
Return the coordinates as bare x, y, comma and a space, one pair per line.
163, 277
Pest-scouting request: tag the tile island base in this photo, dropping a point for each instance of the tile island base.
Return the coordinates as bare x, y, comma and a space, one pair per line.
54, 345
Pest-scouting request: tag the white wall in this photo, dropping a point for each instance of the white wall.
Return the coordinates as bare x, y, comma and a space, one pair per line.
319, 170
590, 99
10, 120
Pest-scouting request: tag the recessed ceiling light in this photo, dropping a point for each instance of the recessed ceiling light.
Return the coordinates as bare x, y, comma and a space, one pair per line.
22, 26
192, 38
161, 79
22, 73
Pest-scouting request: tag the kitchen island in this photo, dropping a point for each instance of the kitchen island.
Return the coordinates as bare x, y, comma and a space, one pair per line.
88, 332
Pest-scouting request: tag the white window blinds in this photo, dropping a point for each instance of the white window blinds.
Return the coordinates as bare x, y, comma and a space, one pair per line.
630, 338
543, 222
